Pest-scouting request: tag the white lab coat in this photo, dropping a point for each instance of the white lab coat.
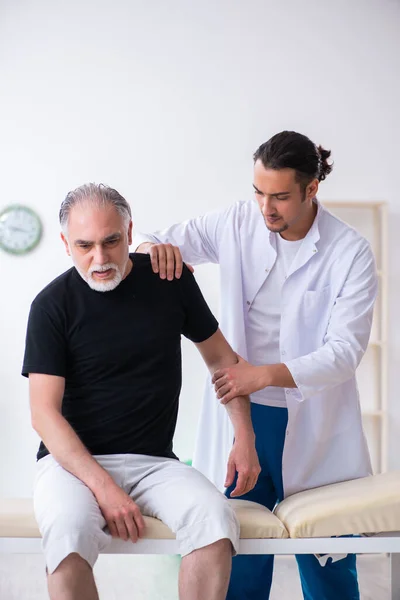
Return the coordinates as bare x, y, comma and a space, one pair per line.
327, 306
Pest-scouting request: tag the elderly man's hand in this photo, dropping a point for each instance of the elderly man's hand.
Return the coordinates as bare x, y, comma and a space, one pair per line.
241, 379
243, 460
121, 513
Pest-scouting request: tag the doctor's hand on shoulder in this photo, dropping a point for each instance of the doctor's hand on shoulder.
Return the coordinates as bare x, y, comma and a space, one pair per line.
166, 259
240, 379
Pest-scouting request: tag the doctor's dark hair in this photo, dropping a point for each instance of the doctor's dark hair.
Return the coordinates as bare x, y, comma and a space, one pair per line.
99, 194
292, 150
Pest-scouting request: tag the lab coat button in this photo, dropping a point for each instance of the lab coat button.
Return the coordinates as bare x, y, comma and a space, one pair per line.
248, 302
283, 353
287, 392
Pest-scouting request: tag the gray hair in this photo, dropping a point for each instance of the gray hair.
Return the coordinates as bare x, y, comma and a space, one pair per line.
98, 193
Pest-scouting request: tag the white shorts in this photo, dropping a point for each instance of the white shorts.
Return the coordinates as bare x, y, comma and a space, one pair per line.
70, 519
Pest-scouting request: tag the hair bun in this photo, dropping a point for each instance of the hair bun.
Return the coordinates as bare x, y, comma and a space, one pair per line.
324, 168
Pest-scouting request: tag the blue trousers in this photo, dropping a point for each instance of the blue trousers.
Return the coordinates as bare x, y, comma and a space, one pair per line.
252, 574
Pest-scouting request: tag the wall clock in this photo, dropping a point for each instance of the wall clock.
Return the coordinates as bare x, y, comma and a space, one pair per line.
20, 229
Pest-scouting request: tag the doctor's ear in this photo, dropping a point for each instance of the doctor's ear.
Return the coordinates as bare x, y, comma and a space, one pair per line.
64, 239
312, 189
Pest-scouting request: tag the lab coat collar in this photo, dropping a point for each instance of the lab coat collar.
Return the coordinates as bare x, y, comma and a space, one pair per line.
263, 254
309, 246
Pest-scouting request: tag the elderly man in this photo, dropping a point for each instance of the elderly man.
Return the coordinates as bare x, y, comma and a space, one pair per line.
103, 358
298, 288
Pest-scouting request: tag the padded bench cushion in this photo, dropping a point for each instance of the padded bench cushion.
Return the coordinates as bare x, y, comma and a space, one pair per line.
17, 518
366, 505
256, 522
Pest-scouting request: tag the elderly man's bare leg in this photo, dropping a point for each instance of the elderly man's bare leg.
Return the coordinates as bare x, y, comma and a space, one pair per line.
72, 580
205, 572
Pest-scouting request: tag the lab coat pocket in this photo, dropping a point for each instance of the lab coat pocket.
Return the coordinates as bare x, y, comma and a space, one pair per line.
317, 306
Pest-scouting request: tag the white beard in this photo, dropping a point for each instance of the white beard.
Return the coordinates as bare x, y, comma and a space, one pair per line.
102, 286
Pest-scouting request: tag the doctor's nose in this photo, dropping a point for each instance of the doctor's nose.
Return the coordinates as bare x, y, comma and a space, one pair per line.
267, 207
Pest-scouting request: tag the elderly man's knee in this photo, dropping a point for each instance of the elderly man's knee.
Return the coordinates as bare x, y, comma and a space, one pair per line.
221, 546
74, 564
220, 514
221, 510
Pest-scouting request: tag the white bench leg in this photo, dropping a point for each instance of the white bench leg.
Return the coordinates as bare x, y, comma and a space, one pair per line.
395, 576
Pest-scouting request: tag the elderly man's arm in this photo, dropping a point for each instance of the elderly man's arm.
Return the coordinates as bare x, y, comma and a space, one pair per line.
119, 510
243, 458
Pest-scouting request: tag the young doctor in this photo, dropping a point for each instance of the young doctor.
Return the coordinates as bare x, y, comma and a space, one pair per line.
297, 288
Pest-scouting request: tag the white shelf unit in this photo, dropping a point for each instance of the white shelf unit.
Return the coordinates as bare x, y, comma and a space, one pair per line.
370, 219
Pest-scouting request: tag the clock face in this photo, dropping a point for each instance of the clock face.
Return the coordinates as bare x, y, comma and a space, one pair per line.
20, 229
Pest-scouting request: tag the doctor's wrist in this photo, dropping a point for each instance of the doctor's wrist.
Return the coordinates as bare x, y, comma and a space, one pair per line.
278, 375
266, 377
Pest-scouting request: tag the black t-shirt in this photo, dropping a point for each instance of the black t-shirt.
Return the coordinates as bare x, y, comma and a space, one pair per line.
120, 355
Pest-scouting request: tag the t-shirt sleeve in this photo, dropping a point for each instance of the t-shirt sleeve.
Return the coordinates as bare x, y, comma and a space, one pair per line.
200, 324
45, 346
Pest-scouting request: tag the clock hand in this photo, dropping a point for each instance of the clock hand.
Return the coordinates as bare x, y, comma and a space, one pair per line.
18, 229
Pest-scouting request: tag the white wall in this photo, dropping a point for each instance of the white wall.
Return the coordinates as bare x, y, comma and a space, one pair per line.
166, 101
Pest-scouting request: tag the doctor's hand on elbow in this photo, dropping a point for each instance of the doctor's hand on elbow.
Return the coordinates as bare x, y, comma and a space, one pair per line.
241, 379
243, 460
166, 259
